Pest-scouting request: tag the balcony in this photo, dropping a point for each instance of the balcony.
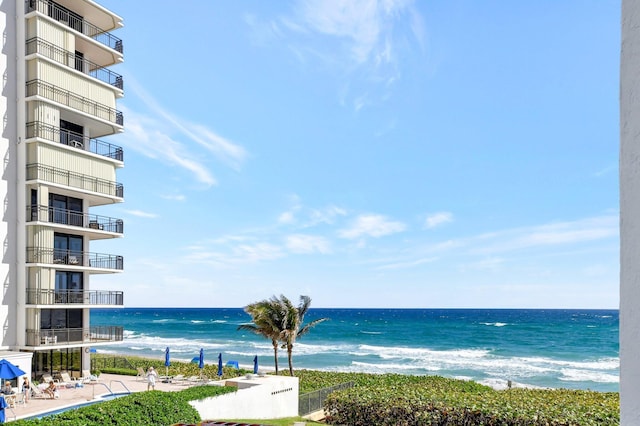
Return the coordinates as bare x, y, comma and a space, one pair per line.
70, 336
76, 62
75, 22
74, 180
77, 258
75, 297
36, 129
75, 101
49, 214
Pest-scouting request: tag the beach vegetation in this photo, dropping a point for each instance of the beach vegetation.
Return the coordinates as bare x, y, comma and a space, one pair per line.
281, 321
142, 408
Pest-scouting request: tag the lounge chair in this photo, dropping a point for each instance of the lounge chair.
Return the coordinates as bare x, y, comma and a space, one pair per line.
37, 393
87, 377
67, 381
177, 379
46, 378
141, 374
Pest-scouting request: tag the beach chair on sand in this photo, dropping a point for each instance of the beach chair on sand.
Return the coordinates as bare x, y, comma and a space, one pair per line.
87, 377
177, 379
141, 374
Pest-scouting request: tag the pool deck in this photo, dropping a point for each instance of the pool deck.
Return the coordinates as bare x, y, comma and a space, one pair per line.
75, 396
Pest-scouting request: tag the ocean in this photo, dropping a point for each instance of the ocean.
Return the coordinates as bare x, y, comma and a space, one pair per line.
575, 349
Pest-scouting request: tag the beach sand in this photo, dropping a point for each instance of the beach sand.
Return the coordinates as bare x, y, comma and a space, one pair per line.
90, 391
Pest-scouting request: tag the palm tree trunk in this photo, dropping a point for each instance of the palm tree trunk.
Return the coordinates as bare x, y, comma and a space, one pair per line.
275, 354
290, 357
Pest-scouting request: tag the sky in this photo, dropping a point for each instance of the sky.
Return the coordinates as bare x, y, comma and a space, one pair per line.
372, 154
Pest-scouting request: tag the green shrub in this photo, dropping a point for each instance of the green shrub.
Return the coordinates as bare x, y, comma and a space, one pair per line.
142, 408
418, 400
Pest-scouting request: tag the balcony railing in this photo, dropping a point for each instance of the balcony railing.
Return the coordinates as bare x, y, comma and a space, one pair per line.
37, 129
74, 258
74, 21
75, 180
74, 218
65, 336
80, 297
73, 100
72, 60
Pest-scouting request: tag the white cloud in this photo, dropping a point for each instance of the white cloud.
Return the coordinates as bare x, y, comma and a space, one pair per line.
161, 135
408, 264
140, 213
372, 225
300, 243
177, 197
437, 219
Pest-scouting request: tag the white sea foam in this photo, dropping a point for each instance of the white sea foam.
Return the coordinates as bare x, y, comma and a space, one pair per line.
370, 332
574, 375
495, 324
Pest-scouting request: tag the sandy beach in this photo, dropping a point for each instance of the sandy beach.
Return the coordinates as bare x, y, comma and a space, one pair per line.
70, 397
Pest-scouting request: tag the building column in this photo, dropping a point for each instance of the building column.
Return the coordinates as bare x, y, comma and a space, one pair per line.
630, 215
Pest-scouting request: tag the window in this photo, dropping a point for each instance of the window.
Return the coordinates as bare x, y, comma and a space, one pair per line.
70, 133
69, 287
67, 249
66, 210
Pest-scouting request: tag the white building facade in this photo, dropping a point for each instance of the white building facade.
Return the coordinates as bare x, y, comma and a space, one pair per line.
630, 215
59, 108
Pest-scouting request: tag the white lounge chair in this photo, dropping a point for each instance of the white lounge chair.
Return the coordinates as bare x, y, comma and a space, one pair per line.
141, 374
87, 377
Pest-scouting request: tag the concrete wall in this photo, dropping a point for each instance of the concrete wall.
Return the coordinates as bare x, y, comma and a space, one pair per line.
630, 215
269, 397
8, 188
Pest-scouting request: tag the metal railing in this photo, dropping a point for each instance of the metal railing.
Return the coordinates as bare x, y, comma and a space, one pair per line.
103, 363
314, 401
74, 218
74, 61
75, 180
73, 100
37, 129
81, 297
63, 336
74, 21
74, 258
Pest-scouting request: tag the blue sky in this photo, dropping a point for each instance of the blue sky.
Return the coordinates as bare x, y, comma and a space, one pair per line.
368, 153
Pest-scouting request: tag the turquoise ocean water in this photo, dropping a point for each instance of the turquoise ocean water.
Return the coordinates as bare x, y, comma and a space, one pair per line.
575, 349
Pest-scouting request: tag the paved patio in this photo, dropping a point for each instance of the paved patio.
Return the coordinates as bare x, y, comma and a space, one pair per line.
75, 396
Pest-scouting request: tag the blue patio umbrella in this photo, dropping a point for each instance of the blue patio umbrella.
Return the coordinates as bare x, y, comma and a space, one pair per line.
255, 364
9, 371
167, 360
220, 364
201, 361
195, 360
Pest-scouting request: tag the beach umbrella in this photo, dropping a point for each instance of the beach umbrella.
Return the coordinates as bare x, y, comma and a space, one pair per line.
167, 360
255, 364
9, 371
195, 360
220, 364
201, 361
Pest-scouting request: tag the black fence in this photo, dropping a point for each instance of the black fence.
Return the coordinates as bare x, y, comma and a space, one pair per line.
313, 401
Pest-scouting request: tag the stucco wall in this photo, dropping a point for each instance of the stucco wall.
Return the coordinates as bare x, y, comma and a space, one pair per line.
268, 397
630, 214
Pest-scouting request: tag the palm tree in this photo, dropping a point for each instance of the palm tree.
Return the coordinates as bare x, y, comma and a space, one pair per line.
294, 318
267, 321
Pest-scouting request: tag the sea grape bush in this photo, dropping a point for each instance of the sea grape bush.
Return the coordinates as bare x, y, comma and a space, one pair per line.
418, 400
137, 409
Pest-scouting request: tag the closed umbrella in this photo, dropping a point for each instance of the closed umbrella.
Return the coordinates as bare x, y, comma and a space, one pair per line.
220, 364
201, 361
167, 361
255, 364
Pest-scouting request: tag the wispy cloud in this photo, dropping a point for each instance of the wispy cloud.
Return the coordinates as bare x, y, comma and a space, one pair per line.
300, 243
437, 219
159, 134
360, 40
140, 213
372, 225
407, 264
177, 197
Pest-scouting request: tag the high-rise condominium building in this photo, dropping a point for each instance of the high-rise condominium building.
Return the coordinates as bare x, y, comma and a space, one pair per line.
59, 163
